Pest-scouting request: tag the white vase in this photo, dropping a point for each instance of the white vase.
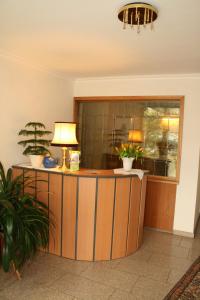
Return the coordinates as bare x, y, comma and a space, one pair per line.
36, 160
127, 163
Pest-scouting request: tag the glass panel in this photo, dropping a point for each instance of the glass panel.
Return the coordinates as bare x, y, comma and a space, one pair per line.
106, 124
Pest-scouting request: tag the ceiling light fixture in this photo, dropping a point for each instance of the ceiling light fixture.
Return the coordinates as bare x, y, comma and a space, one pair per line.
137, 14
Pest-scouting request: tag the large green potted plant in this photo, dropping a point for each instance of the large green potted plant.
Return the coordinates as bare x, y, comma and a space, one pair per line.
36, 145
24, 222
127, 153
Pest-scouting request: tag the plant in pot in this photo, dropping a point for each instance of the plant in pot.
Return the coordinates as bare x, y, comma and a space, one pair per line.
35, 145
24, 222
128, 152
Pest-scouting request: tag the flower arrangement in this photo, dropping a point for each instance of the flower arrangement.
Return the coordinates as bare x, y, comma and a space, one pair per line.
130, 150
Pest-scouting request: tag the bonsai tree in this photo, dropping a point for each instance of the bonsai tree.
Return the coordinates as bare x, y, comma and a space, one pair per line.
36, 145
24, 222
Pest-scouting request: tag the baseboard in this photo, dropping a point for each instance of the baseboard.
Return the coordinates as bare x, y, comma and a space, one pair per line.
158, 229
183, 233
175, 232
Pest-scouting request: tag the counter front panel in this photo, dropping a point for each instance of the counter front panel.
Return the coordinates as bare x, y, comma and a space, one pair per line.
97, 215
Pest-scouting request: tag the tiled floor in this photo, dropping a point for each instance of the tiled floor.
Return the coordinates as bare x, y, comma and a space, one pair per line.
148, 274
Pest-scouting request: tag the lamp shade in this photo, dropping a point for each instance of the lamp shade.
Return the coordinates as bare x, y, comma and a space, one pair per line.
135, 136
171, 124
64, 134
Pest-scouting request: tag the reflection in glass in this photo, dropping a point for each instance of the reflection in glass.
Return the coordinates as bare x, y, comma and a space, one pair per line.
153, 124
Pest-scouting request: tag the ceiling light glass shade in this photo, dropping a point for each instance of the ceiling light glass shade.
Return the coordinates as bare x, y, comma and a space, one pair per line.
137, 14
64, 134
135, 136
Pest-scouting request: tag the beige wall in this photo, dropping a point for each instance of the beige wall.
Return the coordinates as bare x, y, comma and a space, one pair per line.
28, 95
187, 85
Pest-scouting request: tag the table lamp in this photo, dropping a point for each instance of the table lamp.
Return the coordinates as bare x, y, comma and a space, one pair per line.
135, 136
64, 136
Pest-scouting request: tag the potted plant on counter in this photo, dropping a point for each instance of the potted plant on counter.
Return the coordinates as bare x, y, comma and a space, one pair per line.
128, 152
24, 222
35, 145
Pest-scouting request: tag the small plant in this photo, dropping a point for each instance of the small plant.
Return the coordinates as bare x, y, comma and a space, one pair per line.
24, 222
37, 144
129, 150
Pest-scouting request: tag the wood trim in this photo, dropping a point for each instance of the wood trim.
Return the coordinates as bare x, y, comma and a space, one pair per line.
180, 138
152, 178
55, 195
121, 217
69, 216
141, 98
86, 209
105, 202
128, 98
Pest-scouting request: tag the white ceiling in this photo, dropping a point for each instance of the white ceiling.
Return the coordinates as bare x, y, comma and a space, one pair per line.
84, 38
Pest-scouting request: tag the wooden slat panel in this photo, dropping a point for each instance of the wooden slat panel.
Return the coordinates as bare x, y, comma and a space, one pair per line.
121, 217
69, 216
31, 188
160, 205
17, 172
42, 190
142, 210
55, 199
104, 216
134, 214
86, 209
42, 187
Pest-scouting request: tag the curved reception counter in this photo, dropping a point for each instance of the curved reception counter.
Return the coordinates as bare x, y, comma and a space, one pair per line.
98, 215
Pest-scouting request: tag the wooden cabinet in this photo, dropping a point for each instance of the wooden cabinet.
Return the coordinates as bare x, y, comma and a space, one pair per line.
160, 204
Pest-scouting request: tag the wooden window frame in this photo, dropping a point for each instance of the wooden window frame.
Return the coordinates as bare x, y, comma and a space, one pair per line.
179, 98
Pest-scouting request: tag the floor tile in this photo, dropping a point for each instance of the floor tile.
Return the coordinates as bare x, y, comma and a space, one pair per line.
111, 277
34, 275
140, 255
168, 249
82, 288
108, 263
144, 269
171, 262
3, 297
6, 279
149, 289
193, 254
64, 264
175, 276
147, 274
157, 238
120, 295
35, 293
190, 243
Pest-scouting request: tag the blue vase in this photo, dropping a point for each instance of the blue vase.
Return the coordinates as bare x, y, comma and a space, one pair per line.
50, 162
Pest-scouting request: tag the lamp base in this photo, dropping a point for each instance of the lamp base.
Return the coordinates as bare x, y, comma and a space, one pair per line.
63, 167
